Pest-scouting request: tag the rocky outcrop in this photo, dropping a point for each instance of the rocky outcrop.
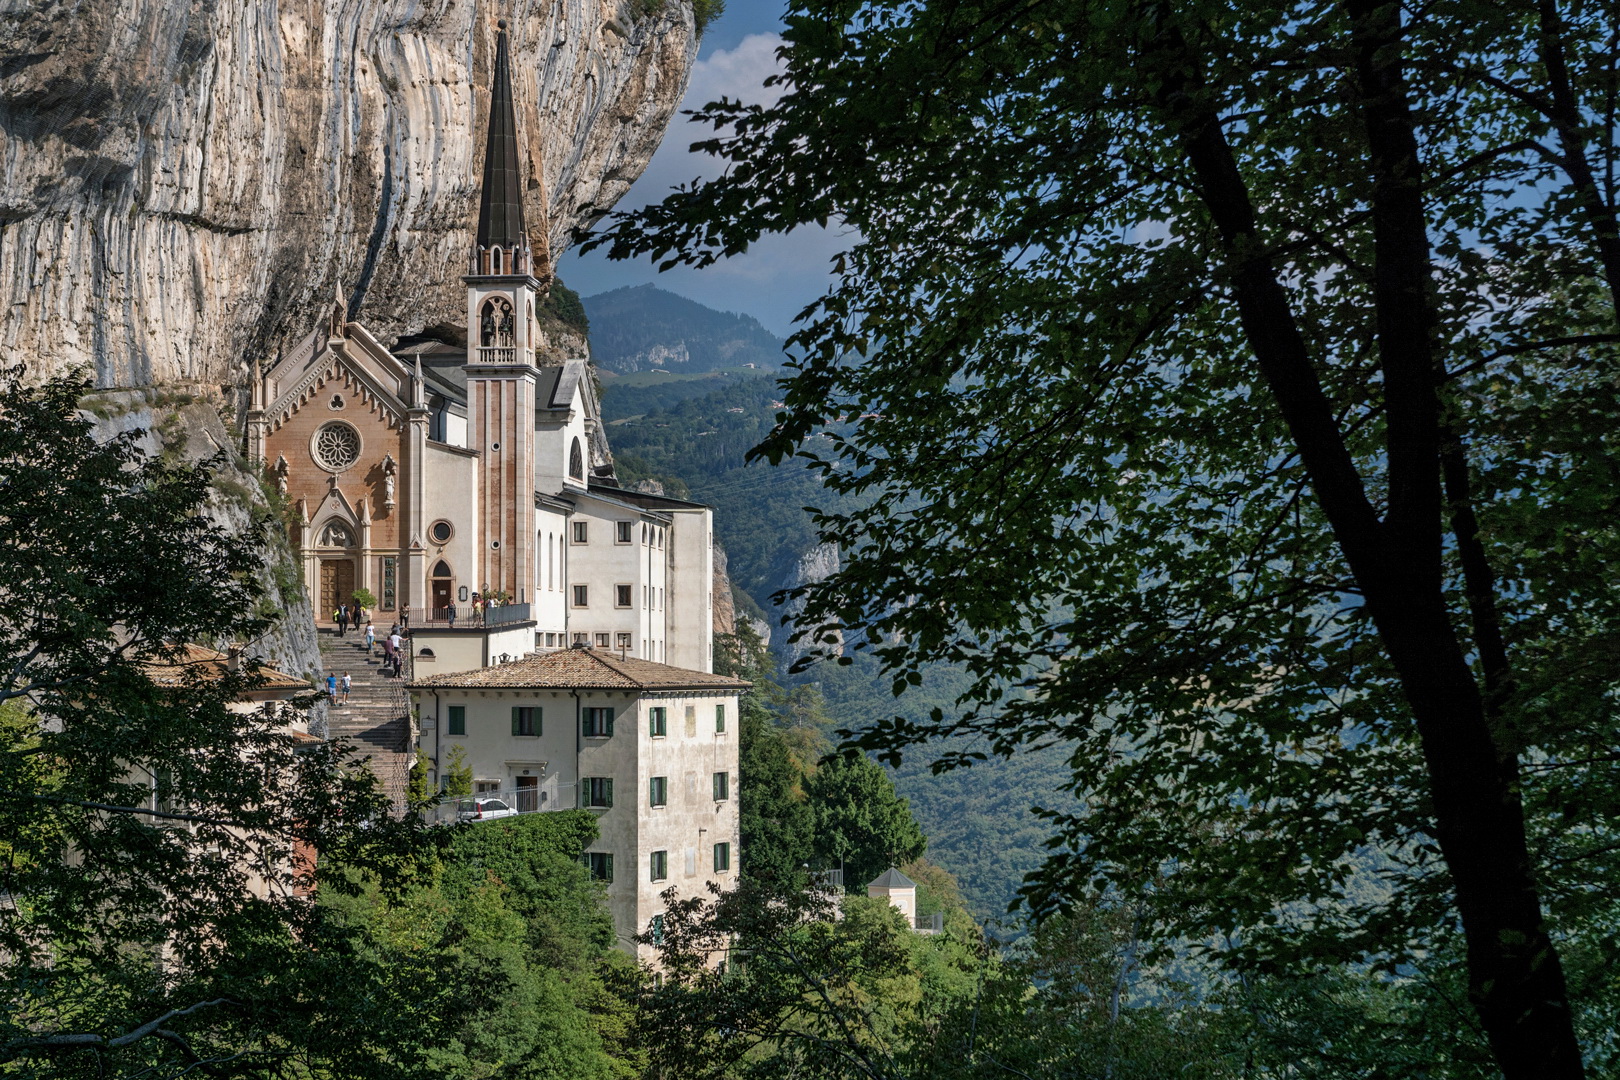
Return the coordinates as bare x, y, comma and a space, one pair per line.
184, 183
189, 426
725, 611
817, 564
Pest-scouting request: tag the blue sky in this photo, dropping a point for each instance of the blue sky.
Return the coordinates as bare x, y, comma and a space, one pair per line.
776, 278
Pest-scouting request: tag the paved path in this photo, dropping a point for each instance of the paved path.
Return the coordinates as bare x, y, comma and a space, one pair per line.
376, 721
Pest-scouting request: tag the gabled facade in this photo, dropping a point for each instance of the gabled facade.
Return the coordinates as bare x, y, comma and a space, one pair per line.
435, 475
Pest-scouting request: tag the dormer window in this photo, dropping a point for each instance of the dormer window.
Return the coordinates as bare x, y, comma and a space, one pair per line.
576, 462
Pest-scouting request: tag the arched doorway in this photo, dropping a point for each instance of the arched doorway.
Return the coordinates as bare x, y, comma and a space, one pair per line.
335, 542
441, 587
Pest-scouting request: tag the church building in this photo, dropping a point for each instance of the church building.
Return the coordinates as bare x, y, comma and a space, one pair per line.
435, 475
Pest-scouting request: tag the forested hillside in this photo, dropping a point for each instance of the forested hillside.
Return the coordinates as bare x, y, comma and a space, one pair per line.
691, 434
644, 327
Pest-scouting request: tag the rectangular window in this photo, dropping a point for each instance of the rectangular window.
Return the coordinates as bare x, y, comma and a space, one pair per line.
691, 721
598, 723
598, 792
582, 639
582, 596
602, 640
623, 643
458, 720
656, 928
581, 531
626, 532
551, 641
658, 791
660, 871
722, 858
722, 786
525, 720
600, 864
720, 718
389, 575
622, 596
658, 722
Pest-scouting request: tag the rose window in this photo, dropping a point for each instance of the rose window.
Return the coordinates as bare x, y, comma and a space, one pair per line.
337, 446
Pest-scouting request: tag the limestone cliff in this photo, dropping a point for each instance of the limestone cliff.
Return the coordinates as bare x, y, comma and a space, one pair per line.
184, 183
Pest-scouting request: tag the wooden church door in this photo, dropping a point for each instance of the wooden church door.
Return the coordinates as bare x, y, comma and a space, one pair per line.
337, 584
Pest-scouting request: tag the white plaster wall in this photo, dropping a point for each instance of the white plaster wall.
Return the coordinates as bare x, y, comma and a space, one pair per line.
452, 652
493, 752
601, 564
690, 566
687, 756
451, 485
552, 440
550, 573
455, 429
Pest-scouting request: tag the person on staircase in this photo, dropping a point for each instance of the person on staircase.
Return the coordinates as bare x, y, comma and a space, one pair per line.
371, 636
347, 684
342, 618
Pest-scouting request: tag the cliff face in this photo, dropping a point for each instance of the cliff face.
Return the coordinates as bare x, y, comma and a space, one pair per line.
184, 183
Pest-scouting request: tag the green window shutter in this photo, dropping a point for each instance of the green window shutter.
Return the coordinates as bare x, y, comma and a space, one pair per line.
719, 718
607, 792
458, 720
539, 719
609, 725
516, 722
607, 868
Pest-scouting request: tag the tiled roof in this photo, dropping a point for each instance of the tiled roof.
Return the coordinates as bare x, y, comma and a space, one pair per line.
211, 664
582, 669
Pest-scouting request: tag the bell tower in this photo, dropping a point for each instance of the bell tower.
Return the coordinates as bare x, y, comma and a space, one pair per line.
502, 293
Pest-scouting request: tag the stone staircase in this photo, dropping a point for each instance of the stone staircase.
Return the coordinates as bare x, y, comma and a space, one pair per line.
376, 721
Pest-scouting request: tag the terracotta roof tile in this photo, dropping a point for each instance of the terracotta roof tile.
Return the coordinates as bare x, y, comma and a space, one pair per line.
212, 664
582, 669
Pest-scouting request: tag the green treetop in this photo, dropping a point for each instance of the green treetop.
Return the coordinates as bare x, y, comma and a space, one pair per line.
1247, 400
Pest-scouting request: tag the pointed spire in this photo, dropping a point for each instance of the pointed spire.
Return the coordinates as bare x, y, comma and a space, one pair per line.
500, 204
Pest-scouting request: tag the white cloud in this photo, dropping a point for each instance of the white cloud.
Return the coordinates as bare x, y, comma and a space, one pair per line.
776, 277
739, 74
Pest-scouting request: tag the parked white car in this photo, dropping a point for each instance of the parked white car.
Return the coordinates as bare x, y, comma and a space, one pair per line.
483, 809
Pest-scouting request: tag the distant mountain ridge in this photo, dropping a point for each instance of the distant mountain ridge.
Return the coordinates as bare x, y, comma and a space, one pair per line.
643, 328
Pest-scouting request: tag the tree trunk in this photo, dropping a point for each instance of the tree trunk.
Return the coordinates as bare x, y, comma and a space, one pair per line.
1515, 980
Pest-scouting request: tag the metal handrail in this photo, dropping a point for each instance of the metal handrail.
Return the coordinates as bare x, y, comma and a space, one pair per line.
474, 615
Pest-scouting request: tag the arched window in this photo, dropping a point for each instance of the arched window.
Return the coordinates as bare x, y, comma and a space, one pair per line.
441, 569
576, 462
495, 323
336, 534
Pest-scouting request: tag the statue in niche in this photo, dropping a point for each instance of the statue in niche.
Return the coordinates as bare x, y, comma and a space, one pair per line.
279, 471
389, 471
495, 323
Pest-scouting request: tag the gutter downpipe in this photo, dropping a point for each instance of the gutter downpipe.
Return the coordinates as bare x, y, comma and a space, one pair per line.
579, 727
438, 740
